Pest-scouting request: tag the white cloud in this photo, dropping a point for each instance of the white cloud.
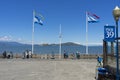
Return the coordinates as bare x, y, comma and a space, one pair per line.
9, 38
95, 44
19, 39
77, 42
5, 38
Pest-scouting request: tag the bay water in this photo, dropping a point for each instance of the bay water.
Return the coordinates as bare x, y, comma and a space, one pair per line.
51, 49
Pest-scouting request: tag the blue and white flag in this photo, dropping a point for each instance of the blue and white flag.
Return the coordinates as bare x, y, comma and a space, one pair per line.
38, 20
92, 18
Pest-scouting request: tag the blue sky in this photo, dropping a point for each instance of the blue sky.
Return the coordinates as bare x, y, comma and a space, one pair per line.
16, 20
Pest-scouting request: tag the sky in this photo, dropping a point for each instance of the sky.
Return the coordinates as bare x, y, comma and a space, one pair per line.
16, 18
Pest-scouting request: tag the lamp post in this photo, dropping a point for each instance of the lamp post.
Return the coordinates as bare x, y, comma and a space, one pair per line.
116, 14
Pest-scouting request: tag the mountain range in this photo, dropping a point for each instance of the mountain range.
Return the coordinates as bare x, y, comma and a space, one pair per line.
7, 43
70, 47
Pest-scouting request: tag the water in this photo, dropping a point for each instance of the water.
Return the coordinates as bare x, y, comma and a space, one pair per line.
51, 49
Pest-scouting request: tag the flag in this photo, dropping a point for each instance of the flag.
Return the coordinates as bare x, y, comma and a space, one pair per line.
92, 18
38, 19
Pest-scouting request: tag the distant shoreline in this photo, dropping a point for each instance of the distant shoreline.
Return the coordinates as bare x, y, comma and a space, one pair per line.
49, 49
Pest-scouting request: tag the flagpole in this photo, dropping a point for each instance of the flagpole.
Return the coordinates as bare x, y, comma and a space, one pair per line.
86, 33
60, 36
33, 33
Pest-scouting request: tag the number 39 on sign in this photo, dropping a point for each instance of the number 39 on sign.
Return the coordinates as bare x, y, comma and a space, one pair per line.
109, 33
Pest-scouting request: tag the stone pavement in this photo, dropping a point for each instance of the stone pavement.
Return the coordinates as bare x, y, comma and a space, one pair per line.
36, 69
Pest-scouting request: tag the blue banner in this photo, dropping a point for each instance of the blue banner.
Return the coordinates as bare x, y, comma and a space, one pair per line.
109, 33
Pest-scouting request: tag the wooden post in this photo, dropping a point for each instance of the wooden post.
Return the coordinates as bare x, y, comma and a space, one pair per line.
112, 50
105, 51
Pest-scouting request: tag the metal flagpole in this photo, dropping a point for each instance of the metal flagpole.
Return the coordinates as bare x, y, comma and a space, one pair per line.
86, 33
33, 33
60, 36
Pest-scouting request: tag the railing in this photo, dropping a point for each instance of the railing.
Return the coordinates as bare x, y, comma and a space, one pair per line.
56, 56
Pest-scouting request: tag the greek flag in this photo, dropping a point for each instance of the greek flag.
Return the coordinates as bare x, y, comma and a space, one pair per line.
38, 20
92, 18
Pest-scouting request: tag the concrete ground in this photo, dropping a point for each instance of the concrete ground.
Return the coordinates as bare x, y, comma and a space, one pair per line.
37, 69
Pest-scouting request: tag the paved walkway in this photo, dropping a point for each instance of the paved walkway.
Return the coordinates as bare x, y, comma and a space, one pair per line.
19, 69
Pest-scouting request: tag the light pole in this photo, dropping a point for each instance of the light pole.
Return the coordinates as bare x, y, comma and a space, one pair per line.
116, 14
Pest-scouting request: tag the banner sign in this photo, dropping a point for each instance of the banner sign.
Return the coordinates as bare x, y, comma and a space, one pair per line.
109, 33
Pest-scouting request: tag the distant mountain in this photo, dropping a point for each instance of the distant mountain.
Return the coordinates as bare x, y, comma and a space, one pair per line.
64, 44
70, 47
6, 43
71, 44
